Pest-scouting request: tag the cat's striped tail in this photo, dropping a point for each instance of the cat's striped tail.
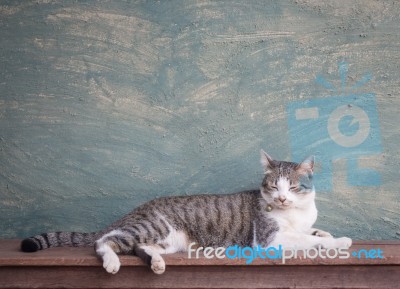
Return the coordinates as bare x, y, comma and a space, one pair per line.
58, 239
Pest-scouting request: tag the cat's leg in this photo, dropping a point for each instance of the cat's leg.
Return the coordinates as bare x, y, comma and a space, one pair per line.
176, 241
156, 262
110, 259
109, 245
305, 241
320, 233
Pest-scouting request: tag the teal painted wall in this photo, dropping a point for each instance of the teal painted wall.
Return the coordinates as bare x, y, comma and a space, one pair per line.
107, 104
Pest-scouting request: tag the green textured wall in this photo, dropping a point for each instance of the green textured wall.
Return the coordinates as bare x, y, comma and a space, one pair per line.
105, 105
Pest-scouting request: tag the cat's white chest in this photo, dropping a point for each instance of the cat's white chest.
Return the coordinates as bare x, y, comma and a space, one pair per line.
294, 219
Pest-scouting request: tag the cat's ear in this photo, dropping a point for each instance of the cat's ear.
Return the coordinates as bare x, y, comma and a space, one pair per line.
266, 161
307, 166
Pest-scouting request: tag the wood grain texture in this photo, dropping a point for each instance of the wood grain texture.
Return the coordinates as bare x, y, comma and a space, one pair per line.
107, 104
79, 268
306, 277
10, 255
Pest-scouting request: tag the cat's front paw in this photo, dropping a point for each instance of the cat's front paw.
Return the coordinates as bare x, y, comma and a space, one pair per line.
157, 264
111, 263
332, 243
343, 242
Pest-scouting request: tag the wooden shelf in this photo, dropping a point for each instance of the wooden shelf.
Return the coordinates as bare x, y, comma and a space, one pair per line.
80, 268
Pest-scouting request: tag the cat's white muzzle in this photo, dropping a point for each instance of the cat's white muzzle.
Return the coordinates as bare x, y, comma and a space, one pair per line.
283, 205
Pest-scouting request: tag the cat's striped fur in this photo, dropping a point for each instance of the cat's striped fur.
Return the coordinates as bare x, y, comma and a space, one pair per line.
170, 224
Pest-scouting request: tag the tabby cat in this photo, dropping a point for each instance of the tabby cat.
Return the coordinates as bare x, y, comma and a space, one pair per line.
281, 212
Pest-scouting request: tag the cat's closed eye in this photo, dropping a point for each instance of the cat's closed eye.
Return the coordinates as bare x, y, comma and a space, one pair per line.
304, 187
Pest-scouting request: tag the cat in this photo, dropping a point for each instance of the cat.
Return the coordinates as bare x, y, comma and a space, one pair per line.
281, 212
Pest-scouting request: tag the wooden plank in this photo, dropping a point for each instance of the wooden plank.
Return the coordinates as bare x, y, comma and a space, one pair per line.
10, 255
204, 277
80, 268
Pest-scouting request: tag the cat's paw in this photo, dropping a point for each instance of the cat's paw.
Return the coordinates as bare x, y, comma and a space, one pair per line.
321, 233
343, 242
332, 243
111, 263
157, 264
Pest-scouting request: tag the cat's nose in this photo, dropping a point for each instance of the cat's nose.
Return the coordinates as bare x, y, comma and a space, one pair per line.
282, 199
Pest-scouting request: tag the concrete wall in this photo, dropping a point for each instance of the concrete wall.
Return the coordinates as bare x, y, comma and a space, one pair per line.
105, 105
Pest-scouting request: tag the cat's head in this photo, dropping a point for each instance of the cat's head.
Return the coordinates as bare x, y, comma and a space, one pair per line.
287, 185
